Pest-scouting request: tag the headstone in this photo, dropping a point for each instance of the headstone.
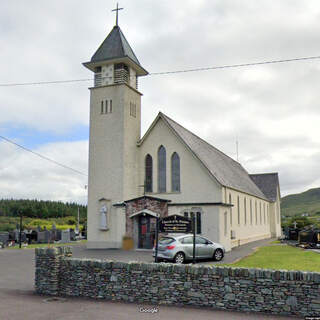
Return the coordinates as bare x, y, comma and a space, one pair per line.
72, 235
11, 236
47, 236
4, 238
41, 237
58, 235
34, 236
23, 237
65, 236
16, 235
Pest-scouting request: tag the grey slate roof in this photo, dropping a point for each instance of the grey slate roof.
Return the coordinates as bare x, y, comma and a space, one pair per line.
227, 172
114, 46
268, 183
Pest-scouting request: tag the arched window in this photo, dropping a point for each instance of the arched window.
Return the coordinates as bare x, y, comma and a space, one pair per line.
230, 202
175, 172
245, 211
148, 174
162, 181
238, 205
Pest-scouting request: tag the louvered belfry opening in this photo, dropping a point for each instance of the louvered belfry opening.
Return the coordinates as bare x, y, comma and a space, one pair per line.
121, 73
97, 77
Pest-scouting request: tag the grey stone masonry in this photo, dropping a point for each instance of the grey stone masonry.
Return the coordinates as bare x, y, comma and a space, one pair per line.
48, 267
280, 292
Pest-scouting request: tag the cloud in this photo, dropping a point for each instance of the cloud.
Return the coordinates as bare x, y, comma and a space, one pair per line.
271, 109
24, 175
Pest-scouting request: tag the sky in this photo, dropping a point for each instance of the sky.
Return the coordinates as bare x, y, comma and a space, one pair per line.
271, 110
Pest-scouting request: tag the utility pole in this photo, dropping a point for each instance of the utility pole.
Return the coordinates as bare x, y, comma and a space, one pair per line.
78, 222
20, 230
237, 149
157, 240
194, 239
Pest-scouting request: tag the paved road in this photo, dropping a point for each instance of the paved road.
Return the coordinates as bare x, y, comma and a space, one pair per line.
146, 255
18, 301
26, 306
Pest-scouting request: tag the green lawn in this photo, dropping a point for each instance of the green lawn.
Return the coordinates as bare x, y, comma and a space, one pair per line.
44, 245
281, 257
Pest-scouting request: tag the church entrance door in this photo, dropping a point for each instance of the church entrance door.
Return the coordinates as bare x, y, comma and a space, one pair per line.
147, 231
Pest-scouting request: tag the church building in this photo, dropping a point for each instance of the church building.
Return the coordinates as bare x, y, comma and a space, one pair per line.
169, 170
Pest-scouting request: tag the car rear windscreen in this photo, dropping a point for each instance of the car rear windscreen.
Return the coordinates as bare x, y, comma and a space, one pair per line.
166, 240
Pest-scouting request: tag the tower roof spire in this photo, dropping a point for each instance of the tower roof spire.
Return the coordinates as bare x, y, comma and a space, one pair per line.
115, 49
117, 11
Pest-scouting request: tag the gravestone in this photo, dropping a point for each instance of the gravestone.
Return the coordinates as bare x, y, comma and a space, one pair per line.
16, 235
11, 236
47, 236
34, 236
23, 237
4, 238
53, 232
58, 235
72, 235
65, 236
41, 237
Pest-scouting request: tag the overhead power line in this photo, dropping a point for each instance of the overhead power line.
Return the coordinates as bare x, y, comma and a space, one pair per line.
42, 156
42, 82
168, 72
237, 65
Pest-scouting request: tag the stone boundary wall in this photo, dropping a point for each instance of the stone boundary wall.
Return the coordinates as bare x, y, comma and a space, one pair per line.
239, 289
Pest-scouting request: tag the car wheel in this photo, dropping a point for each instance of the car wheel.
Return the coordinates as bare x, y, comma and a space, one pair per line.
179, 258
218, 255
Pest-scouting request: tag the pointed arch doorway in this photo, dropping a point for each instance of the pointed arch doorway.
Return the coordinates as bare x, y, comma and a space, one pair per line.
146, 223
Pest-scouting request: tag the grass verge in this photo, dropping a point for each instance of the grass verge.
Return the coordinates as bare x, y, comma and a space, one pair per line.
52, 245
281, 258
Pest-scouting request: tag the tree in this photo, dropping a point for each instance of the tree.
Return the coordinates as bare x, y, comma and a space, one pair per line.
301, 222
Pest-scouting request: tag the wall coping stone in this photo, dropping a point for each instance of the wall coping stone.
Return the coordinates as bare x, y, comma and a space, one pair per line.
249, 273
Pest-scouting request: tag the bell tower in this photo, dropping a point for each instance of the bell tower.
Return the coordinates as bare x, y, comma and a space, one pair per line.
115, 125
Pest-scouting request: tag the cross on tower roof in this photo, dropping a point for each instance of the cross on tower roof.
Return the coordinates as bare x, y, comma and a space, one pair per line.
117, 10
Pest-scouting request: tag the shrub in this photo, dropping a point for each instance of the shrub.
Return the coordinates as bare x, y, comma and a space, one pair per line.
7, 227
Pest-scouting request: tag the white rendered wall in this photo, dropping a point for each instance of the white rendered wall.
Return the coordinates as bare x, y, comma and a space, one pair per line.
107, 74
113, 164
245, 231
196, 183
209, 221
275, 213
133, 78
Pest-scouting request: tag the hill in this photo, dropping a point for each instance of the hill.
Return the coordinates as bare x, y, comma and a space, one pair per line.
305, 202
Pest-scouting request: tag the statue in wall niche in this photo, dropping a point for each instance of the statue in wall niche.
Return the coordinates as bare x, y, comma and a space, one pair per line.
103, 217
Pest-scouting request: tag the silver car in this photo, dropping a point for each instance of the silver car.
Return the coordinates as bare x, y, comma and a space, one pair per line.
180, 248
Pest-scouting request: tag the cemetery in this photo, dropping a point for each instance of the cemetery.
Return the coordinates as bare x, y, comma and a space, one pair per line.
40, 236
308, 238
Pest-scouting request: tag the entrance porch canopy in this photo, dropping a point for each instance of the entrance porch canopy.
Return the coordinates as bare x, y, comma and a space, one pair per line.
144, 212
